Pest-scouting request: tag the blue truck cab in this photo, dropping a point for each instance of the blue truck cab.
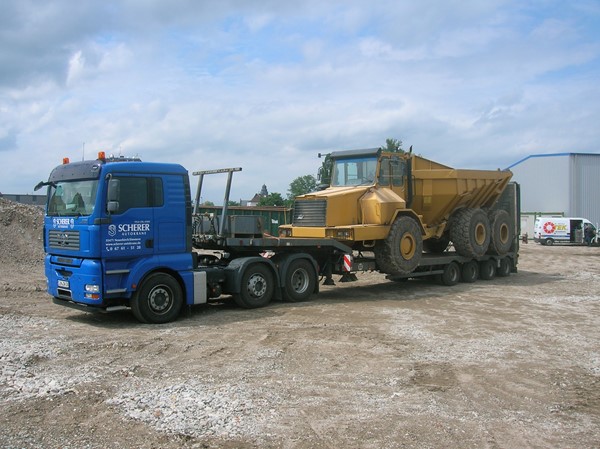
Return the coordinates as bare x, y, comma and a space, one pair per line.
117, 226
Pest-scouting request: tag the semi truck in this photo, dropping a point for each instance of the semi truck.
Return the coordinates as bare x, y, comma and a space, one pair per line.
120, 233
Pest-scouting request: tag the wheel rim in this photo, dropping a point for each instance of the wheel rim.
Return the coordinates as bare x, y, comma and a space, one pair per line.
300, 280
160, 299
257, 286
408, 246
480, 234
504, 233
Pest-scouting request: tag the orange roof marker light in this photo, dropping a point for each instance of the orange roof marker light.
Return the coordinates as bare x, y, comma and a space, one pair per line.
102, 156
66, 160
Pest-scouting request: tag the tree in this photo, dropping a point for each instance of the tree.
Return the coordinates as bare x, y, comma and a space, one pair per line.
301, 185
233, 203
272, 199
393, 146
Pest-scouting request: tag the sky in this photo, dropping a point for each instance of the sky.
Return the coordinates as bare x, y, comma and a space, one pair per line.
268, 85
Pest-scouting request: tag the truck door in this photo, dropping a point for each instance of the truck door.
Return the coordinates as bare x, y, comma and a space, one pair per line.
392, 174
130, 232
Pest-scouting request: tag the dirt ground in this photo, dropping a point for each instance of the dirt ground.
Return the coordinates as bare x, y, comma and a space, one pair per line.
508, 363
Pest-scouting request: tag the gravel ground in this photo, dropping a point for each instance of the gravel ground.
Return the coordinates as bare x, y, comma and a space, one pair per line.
508, 363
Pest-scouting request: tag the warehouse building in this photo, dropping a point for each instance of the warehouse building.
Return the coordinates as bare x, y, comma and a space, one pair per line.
562, 184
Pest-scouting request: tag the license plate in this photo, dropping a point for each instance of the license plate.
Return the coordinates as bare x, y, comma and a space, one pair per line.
63, 284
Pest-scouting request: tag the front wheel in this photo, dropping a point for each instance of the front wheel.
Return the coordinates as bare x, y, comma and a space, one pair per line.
300, 280
256, 287
401, 251
159, 300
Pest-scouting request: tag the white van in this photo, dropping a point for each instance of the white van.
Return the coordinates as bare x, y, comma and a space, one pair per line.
551, 230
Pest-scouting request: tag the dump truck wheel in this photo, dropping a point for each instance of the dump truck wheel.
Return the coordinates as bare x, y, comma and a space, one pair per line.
487, 269
300, 280
401, 251
159, 300
436, 246
256, 288
470, 232
502, 232
469, 272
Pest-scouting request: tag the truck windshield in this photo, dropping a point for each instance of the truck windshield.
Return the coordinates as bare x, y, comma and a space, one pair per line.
354, 172
72, 198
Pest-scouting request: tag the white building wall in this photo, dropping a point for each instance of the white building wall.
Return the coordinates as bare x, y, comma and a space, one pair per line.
565, 183
545, 181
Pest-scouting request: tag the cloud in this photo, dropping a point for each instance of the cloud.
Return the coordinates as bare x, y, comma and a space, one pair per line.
267, 85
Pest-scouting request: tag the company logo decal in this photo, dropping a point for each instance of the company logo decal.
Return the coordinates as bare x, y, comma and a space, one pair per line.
127, 236
549, 227
63, 223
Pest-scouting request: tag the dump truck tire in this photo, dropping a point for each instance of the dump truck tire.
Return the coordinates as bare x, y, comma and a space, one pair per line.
437, 246
470, 232
502, 232
401, 251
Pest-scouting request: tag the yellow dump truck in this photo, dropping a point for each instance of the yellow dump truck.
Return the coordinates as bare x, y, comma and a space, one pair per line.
401, 205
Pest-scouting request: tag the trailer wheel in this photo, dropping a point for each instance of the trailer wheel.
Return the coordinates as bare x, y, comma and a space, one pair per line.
401, 251
451, 274
256, 288
469, 272
435, 245
159, 300
300, 280
502, 234
487, 269
470, 232
504, 268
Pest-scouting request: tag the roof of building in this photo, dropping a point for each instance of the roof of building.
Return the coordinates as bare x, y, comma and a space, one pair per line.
532, 156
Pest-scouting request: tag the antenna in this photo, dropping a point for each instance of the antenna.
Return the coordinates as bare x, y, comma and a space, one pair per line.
83, 151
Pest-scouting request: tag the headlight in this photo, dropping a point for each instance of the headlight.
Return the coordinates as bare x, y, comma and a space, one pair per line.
92, 291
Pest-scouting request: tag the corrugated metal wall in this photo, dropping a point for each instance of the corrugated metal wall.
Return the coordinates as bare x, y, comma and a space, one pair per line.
585, 186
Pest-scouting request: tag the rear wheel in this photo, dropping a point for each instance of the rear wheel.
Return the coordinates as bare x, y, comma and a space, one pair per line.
300, 280
470, 232
257, 287
487, 269
502, 233
504, 267
401, 251
469, 272
451, 274
159, 300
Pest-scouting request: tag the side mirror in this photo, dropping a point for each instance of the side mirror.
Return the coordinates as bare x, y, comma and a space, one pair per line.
113, 194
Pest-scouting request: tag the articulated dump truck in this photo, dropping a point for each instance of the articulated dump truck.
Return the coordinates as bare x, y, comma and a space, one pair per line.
401, 205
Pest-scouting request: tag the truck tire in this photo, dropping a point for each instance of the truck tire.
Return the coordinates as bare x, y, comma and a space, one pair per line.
504, 267
401, 251
502, 235
548, 242
469, 272
159, 300
256, 287
436, 246
487, 269
451, 274
300, 280
470, 232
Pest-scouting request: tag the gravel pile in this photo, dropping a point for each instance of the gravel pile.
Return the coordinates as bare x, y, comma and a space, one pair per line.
21, 228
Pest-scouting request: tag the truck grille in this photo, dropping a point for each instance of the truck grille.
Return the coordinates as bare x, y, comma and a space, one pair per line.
309, 213
63, 239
